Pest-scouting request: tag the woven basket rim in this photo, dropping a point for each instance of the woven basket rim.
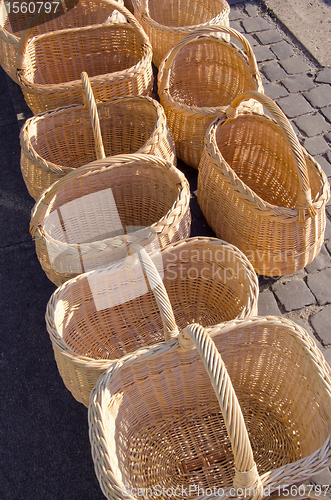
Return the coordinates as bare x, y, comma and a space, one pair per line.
255, 201
47, 165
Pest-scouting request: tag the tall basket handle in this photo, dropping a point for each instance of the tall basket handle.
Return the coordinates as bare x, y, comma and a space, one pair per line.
23, 42
98, 144
159, 290
305, 199
164, 80
246, 474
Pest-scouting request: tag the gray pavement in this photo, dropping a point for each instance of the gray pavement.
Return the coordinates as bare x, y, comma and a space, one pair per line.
44, 445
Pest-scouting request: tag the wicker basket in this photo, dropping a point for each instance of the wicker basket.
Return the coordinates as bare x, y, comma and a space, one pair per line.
261, 191
116, 56
164, 420
85, 13
75, 223
204, 279
166, 23
198, 79
57, 142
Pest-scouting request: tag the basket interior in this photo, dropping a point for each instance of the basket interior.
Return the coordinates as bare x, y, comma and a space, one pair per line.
259, 153
61, 56
220, 74
163, 426
206, 283
83, 14
126, 126
185, 12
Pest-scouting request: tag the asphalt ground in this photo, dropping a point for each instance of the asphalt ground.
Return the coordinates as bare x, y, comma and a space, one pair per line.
44, 444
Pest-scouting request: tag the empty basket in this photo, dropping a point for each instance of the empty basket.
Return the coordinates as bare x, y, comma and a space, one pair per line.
101, 316
247, 419
198, 80
260, 190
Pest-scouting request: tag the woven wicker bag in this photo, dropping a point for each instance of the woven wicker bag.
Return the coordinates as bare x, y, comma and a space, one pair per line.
166, 23
57, 142
260, 190
99, 317
244, 425
198, 79
116, 56
75, 223
84, 13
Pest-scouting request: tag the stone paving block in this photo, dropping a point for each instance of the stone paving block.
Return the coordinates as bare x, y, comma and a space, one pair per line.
293, 294
253, 24
312, 124
294, 105
328, 246
316, 145
324, 164
236, 26
308, 329
235, 14
326, 112
328, 154
328, 210
295, 128
319, 284
294, 65
233, 2
274, 90
322, 478
321, 261
328, 136
263, 53
327, 234
282, 50
298, 83
321, 322
267, 304
251, 10
324, 76
327, 355
273, 71
319, 96
268, 36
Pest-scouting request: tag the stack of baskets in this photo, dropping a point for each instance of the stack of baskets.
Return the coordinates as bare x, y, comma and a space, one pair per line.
147, 320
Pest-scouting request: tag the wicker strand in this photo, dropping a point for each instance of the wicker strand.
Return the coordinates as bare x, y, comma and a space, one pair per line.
99, 149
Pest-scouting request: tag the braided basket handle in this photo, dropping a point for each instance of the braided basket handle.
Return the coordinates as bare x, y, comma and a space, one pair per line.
23, 42
200, 33
159, 290
98, 143
305, 200
246, 475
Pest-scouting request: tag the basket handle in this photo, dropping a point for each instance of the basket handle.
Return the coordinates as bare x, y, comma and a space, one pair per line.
164, 79
246, 474
305, 199
23, 42
159, 290
98, 144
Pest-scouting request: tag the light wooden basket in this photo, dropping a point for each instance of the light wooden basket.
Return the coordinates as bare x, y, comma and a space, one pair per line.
57, 142
77, 221
99, 317
84, 13
197, 81
260, 190
116, 56
244, 415
166, 23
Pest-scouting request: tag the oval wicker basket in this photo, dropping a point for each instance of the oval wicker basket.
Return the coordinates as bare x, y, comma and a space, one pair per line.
57, 142
167, 23
244, 425
221, 72
116, 56
203, 279
75, 223
260, 190
85, 13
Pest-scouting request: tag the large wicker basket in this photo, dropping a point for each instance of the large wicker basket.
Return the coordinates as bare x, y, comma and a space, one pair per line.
84, 13
98, 317
198, 80
260, 190
57, 142
166, 23
245, 425
116, 56
75, 223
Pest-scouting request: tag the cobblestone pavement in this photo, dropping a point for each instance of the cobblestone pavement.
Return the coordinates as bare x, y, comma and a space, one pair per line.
44, 432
